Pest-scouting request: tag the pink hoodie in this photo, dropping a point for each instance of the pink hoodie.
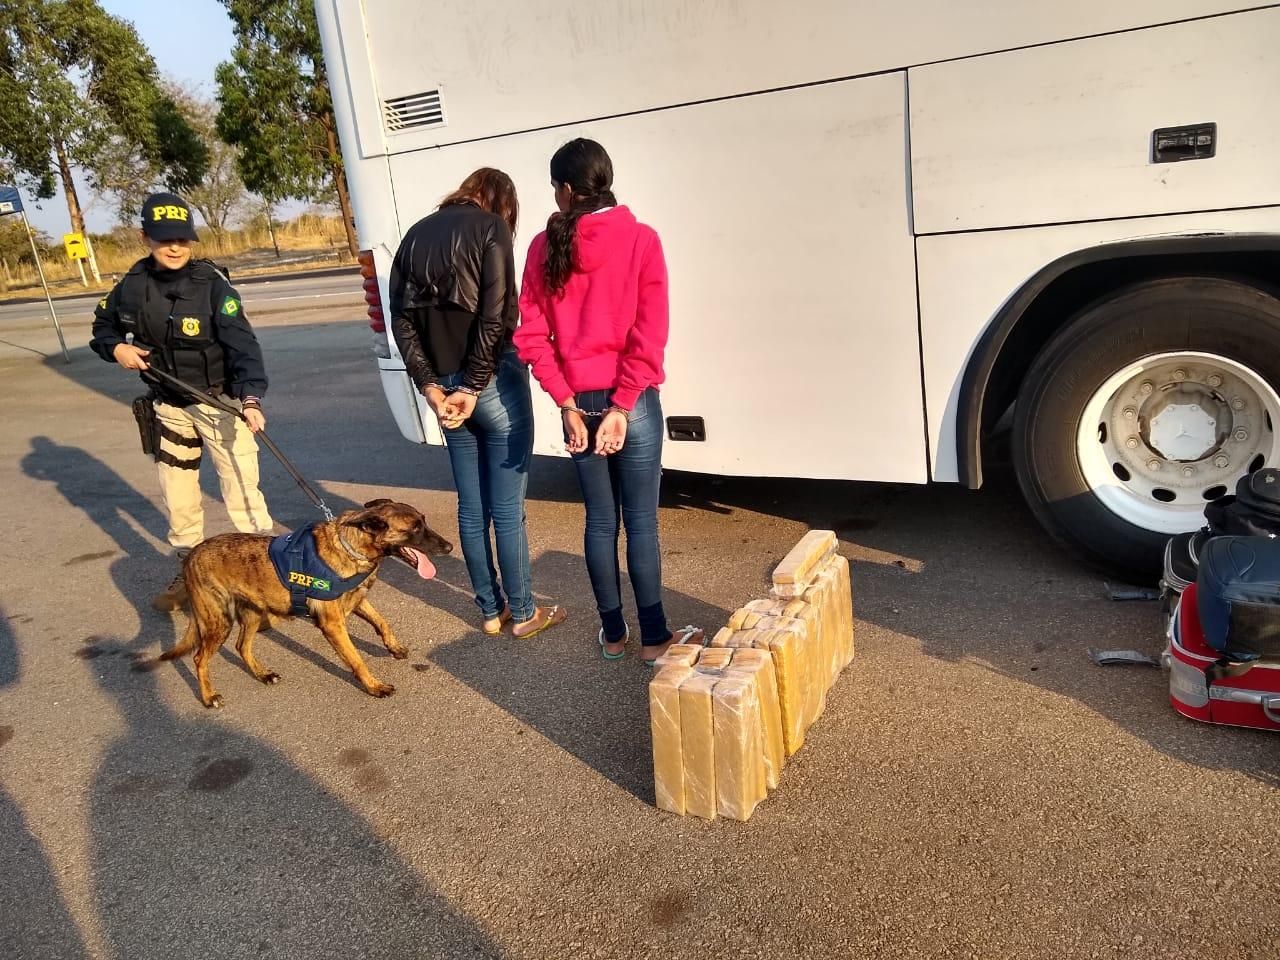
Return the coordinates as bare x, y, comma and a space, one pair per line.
608, 328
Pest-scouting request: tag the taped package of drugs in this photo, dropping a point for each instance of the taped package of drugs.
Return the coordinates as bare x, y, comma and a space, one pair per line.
797, 570
715, 750
725, 718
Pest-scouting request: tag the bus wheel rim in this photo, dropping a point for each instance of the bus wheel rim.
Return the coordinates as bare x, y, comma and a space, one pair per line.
1167, 433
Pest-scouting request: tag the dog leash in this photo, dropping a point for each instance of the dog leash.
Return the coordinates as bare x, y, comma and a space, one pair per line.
213, 401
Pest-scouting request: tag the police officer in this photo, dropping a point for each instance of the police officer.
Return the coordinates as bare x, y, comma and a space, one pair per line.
183, 316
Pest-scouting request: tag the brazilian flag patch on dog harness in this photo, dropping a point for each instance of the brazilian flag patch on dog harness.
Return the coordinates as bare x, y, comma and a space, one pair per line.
230, 307
304, 574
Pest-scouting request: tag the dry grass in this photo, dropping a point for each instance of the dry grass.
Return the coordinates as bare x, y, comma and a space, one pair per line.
307, 241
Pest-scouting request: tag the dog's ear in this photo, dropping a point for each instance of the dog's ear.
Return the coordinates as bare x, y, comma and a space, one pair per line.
374, 503
370, 524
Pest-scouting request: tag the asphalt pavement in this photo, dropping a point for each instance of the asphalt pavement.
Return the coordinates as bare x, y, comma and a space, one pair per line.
975, 788
326, 289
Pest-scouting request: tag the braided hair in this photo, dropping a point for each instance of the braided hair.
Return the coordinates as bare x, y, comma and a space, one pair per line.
586, 168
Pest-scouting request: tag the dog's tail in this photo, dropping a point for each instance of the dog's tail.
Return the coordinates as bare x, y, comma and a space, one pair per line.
186, 644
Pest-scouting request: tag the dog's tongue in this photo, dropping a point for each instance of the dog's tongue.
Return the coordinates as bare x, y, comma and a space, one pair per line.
426, 569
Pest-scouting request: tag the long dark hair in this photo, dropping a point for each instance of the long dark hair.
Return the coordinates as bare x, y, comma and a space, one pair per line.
490, 190
586, 168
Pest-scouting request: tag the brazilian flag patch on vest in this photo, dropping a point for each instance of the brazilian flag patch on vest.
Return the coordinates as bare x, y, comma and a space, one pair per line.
230, 307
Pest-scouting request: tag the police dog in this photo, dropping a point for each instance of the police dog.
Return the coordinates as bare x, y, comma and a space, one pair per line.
232, 580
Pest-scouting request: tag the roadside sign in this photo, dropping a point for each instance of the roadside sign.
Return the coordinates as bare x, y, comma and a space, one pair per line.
74, 242
10, 200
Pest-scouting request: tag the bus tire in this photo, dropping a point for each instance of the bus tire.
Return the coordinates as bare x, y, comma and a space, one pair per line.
1147, 404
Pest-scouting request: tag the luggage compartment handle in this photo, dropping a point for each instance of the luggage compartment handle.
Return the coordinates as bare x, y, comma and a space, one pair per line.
1269, 703
1271, 708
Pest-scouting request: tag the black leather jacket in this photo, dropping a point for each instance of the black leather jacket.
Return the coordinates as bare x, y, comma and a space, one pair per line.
454, 269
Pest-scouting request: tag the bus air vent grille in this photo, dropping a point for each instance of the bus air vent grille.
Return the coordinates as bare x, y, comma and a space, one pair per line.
414, 110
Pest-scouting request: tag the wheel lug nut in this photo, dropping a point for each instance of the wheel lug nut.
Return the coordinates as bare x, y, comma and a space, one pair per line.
1221, 461
1242, 434
1147, 388
1179, 374
1188, 471
1132, 443
1237, 404
1131, 413
1215, 380
1153, 464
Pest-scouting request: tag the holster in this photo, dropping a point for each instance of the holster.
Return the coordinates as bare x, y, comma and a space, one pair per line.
144, 412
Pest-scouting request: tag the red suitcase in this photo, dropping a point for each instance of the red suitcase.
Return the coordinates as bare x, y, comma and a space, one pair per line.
1249, 700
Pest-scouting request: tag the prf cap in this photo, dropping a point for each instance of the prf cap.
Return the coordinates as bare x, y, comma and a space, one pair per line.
166, 216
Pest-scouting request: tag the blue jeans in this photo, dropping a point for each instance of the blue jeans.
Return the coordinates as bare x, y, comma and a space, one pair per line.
490, 456
622, 491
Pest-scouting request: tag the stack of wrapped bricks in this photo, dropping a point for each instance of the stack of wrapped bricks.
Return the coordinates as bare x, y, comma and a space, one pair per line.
726, 718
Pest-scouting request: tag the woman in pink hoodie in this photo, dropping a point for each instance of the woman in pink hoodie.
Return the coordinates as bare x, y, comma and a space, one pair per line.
594, 329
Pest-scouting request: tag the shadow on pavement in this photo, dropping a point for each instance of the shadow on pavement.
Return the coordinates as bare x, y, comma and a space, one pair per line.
204, 841
141, 570
558, 685
971, 576
207, 842
978, 579
35, 923
116, 508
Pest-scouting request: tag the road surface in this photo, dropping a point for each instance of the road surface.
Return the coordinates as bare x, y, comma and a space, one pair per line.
976, 787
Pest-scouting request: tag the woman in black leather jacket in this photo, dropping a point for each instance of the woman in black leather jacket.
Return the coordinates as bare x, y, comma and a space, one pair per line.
453, 311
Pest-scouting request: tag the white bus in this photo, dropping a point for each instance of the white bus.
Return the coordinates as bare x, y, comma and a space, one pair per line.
889, 225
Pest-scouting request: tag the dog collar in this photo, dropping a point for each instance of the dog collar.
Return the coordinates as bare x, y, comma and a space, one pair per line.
352, 552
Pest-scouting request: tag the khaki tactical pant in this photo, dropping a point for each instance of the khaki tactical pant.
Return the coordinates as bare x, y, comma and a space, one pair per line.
235, 455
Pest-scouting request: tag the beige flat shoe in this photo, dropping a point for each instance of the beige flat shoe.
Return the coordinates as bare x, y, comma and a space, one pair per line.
542, 620
493, 626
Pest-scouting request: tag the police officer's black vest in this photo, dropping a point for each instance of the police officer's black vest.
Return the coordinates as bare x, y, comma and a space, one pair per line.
176, 319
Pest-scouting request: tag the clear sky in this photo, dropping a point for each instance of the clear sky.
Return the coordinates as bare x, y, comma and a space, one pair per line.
188, 39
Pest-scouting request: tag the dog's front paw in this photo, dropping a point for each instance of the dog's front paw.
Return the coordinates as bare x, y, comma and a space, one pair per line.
398, 651
214, 702
380, 689
270, 677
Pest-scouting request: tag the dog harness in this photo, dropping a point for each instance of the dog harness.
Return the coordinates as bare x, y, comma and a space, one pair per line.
304, 574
